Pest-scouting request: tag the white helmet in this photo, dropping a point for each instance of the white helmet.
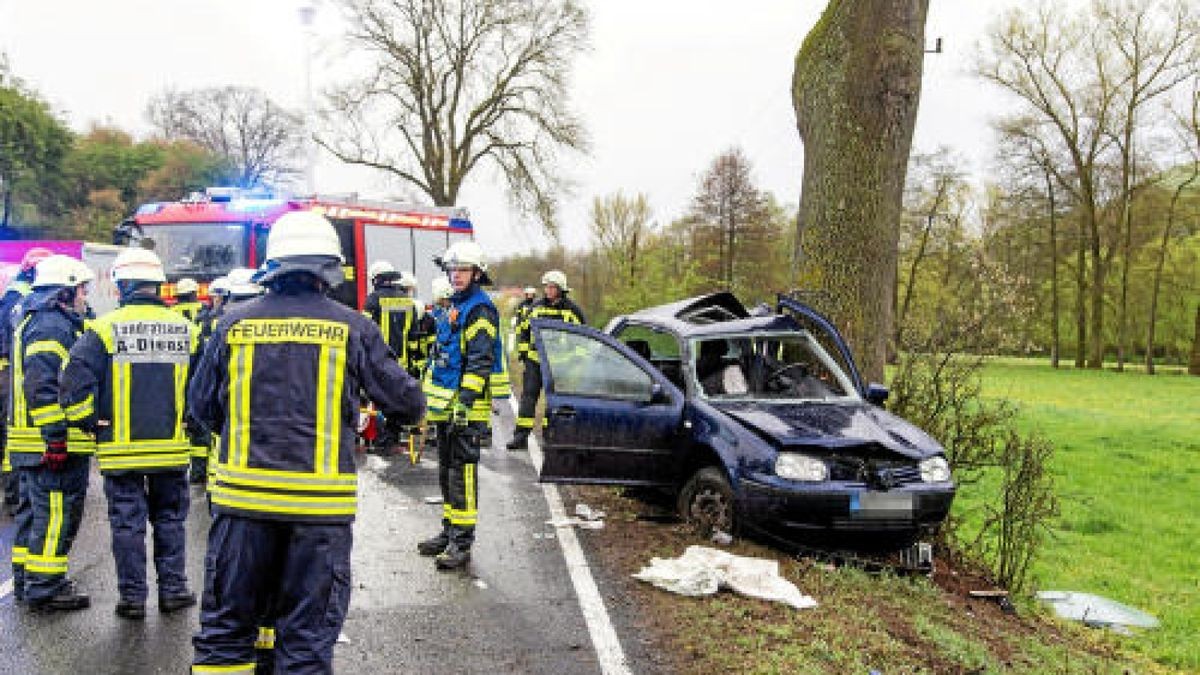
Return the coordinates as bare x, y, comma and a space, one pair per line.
442, 290
139, 264
186, 285
466, 253
530, 290
303, 233
241, 281
407, 280
380, 267
61, 270
219, 286
557, 278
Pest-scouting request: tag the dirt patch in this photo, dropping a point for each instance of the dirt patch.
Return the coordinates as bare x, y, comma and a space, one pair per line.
881, 622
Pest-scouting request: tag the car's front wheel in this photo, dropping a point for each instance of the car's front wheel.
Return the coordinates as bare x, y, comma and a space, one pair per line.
706, 502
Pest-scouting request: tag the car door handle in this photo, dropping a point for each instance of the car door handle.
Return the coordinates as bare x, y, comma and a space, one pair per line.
564, 411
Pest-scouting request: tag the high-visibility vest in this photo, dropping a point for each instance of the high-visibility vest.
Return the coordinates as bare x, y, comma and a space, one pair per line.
141, 392
447, 375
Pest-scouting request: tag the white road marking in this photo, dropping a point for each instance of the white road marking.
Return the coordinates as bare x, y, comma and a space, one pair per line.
604, 637
6, 588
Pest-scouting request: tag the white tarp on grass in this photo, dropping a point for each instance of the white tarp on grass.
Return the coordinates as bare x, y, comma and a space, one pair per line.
704, 571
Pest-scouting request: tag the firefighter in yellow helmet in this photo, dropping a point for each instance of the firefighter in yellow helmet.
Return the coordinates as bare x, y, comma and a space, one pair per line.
52, 459
126, 379
281, 378
555, 305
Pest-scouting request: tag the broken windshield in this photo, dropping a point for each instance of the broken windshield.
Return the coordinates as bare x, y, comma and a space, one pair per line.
774, 366
198, 249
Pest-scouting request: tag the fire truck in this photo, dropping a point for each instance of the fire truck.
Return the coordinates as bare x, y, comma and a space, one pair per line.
209, 233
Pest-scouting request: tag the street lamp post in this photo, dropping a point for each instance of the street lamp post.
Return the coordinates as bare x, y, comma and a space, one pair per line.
308, 13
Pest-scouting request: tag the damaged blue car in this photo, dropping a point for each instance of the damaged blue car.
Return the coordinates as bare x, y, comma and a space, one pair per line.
757, 424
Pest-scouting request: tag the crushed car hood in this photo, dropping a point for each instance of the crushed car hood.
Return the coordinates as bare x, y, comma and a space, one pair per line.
833, 425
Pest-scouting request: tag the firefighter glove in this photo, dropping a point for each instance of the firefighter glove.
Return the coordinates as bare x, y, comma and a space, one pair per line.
55, 456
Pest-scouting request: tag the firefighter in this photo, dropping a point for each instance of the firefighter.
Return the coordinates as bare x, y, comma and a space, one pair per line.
393, 308
18, 288
281, 377
523, 309
467, 370
126, 380
555, 305
185, 299
52, 460
199, 437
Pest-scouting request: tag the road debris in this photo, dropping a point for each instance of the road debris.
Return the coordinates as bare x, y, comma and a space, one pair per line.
704, 571
1096, 611
433, 500
585, 518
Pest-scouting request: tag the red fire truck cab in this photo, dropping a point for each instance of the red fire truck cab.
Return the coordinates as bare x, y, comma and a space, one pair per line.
208, 234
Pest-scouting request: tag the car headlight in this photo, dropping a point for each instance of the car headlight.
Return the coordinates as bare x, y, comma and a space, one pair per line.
935, 470
794, 466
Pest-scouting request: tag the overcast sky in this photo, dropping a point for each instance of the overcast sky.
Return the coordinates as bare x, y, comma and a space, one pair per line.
666, 85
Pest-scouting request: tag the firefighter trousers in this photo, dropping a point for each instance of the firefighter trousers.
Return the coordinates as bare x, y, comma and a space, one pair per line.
458, 460
48, 517
296, 573
162, 498
531, 390
8, 476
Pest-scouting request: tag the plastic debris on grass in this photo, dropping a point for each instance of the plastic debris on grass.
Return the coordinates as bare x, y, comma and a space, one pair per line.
704, 571
1096, 611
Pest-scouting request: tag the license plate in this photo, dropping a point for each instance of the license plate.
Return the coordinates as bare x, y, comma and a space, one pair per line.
881, 505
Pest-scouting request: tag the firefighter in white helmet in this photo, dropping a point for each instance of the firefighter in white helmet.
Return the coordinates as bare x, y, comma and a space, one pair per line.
52, 459
467, 373
279, 377
393, 308
186, 302
126, 381
557, 306
529, 297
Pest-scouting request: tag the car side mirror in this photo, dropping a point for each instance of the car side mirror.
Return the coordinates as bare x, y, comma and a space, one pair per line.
876, 394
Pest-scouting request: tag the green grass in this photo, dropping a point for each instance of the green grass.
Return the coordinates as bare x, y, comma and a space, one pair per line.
1127, 466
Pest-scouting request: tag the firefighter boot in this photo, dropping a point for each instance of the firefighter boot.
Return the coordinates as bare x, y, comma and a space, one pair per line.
66, 600
454, 557
128, 609
435, 544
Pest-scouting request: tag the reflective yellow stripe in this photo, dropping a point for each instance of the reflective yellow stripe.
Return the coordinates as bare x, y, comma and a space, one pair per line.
473, 382
19, 554
283, 504
180, 370
480, 324
446, 511
247, 668
469, 482
43, 565
47, 347
330, 372
47, 415
241, 364
82, 409
524, 422
277, 331
142, 462
288, 480
266, 638
48, 562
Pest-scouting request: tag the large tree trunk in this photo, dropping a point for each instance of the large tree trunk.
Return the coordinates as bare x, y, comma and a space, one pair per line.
856, 89
1194, 364
1054, 334
1080, 297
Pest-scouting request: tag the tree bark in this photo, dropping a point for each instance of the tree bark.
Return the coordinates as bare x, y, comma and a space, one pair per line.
1080, 297
856, 90
1054, 333
1194, 364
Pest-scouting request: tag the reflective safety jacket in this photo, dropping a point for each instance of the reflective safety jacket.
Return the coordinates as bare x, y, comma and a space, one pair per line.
398, 317
519, 316
279, 381
469, 364
563, 310
127, 379
41, 343
190, 310
13, 295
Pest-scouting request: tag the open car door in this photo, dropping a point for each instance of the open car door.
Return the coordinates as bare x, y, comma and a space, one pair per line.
611, 417
823, 330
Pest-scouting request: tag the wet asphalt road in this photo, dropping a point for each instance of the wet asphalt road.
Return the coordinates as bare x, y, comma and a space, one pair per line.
514, 610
